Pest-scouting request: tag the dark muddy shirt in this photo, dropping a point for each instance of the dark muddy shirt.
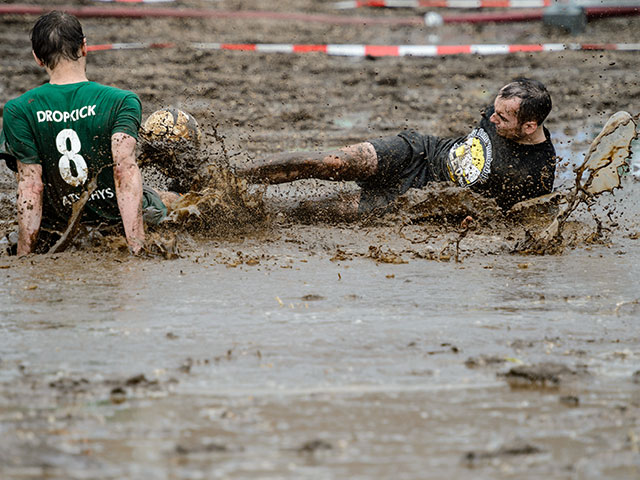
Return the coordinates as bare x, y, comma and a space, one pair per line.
517, 172
484, 161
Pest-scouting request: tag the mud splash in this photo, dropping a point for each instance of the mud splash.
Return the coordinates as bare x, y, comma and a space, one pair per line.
604, 165
219, 204
178, 163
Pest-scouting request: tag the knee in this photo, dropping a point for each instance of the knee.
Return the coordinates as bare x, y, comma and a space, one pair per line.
335, 162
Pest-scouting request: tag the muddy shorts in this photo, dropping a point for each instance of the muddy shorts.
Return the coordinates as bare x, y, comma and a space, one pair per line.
153, 209
407, 160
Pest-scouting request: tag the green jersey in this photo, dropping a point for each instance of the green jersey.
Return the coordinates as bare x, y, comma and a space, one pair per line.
67, 129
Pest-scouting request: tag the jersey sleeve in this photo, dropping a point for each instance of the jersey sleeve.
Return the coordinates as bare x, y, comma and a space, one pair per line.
129, 116
5, 153
18, 135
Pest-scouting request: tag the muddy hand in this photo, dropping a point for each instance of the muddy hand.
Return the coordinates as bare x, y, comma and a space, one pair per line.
136, 247
467, 223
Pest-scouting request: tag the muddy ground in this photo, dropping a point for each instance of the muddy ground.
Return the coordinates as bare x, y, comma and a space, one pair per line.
306, 347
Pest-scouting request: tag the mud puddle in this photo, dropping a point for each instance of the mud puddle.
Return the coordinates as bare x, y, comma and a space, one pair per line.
331, 350
267, 359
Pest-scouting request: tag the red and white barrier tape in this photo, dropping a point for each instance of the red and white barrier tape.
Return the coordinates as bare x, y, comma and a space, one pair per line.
128, 46
136, 1
413, 50
474, 4
382, 50
431, 19
444, 4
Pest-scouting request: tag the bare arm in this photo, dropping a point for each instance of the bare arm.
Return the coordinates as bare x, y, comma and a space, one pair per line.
128, 182
30, 188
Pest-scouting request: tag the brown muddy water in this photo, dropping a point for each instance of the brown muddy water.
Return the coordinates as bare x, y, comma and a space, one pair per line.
310, 351
293, 356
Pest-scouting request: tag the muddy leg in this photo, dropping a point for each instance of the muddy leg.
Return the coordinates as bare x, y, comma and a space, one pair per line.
342, 207
354, 162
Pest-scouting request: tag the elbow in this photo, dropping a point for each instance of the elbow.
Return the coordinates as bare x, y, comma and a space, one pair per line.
37, 189
31, 188
120, 172
124, 172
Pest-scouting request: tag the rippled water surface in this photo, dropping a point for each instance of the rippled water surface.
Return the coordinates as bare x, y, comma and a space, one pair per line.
297, 366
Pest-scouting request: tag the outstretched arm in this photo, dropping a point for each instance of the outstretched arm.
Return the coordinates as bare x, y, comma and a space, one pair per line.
354, 162
30, 188
128, 182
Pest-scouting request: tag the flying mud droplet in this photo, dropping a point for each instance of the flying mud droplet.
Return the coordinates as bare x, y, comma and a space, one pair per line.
220, 139
604, 165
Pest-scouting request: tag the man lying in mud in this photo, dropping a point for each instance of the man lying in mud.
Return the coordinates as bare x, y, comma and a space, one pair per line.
508, 157
66, 133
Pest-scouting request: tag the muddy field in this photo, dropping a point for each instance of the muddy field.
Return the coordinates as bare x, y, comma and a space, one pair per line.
299, 346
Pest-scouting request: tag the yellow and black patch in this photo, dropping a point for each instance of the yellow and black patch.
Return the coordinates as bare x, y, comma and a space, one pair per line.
469, 161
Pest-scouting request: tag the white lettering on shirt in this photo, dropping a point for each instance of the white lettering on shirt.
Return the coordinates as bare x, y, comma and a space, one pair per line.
102, 194
58, 116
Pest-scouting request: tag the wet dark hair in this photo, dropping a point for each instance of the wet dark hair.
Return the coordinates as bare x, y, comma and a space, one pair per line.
56, 36
535, 102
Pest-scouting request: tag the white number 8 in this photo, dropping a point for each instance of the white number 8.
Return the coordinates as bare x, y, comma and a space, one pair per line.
78, 175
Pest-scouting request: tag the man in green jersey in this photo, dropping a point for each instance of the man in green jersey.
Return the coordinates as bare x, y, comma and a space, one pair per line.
68, 131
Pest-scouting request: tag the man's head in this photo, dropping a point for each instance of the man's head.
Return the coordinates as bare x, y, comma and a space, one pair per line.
56, 36
520, 108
